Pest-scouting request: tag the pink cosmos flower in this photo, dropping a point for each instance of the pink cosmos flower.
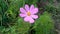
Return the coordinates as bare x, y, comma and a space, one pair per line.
29, 13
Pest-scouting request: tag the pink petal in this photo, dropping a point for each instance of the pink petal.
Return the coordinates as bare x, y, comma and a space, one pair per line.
22, 10
31, 20
32, 7
22, 15
27, 7
28, 19
34, 11
34, 16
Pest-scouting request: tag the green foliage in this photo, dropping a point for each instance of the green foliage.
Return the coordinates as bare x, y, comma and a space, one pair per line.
12, 23
44, 24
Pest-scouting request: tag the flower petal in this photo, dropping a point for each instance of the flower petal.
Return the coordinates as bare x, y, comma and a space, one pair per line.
22, 10
34, 16
29, 19
22, 15
26, 19
32, 7
27, 7
34, 11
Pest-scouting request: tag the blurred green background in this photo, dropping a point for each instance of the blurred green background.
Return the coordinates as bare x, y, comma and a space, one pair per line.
12, 23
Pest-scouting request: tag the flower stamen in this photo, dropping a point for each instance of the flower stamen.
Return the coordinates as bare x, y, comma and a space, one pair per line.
28, 13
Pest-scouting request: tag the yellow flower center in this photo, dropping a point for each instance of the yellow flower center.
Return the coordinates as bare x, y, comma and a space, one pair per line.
28, 13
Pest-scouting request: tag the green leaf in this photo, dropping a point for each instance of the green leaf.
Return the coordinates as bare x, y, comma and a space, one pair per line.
22, 27
44, 24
